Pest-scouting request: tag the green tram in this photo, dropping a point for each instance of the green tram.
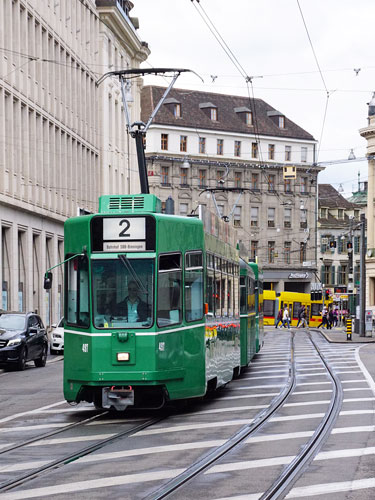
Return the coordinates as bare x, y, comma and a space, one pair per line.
258, 274
152, 305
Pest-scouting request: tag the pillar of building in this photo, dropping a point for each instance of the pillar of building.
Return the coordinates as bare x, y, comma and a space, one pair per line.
369, 134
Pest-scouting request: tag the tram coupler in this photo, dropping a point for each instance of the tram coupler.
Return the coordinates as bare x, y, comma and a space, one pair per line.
117, 397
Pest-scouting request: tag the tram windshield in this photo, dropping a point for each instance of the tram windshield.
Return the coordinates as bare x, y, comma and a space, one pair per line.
123, 292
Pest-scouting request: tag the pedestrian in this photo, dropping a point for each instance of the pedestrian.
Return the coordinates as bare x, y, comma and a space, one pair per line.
330, 319
324, 318
335, 317
300, 312
285, 318
279, 318
304, 322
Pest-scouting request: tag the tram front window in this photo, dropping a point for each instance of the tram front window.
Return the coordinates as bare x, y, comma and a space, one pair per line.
123, 293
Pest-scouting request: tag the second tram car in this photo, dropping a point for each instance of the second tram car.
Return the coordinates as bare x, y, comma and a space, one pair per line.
152, 305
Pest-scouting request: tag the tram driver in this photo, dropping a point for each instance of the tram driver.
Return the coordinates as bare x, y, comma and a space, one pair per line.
132, 307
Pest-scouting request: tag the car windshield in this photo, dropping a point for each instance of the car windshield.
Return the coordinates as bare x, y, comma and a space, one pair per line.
123, 292
12, 321
61, 323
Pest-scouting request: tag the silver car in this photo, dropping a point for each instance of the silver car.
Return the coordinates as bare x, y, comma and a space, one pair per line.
57, 338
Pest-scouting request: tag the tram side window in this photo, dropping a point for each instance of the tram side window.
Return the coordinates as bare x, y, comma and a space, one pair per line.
193, 286
251, 295
77, 292
169, 290
243, 295
316, 309
296, 308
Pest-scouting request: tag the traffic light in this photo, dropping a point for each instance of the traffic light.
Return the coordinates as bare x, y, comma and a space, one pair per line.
326, 294
332, 244
349, 246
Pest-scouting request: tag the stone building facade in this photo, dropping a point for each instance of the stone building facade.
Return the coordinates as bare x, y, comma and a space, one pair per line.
62, 137
201, 141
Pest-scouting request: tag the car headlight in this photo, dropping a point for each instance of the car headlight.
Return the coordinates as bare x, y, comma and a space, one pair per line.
14, 342
56, 336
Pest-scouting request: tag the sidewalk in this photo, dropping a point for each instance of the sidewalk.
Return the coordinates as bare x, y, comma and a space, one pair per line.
338, 335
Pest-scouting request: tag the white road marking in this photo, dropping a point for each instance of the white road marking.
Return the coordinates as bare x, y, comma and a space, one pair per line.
76, 439
29, 428
91, 484
273, 386
247, 396
30, 412
188, 427
327, 488
365, 372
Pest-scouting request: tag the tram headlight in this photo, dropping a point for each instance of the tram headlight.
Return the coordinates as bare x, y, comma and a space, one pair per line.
123, 356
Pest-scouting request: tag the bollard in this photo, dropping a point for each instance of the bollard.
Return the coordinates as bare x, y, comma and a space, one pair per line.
349, 329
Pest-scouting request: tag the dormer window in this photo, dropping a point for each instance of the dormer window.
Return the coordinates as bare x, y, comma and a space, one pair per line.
277, 118
245, 114
210, 110
249, 118
177, 110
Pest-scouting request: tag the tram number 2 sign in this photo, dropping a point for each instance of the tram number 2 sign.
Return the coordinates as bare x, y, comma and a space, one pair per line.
123, 230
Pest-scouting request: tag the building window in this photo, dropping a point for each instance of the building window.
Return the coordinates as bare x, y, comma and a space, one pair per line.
288, 185
271, 217
253, 250
357, 240
202, 145
237, 217
249, 118
328, 274
271, 183
237, 148
220, 147
214, 114
340, 213
165, 176
356, 214
323, 213
183, 176
304, 185
288, 153
237, 179
183, 143
202, 178
271, 252
302, 252
287, 250
184, 207
164, 141
343, 275
254, 217
287, 217
177, 110
303, 154
303, 223
219, 175
254, 150
271, 151
281, 122
254, 181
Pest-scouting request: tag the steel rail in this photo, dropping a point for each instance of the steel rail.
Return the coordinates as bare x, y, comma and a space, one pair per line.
18, 481
40, 437
294, 470
205, 462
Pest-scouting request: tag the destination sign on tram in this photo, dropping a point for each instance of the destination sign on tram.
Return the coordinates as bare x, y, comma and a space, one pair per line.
123, 234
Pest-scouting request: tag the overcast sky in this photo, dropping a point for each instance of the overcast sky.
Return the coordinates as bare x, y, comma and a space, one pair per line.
269, 40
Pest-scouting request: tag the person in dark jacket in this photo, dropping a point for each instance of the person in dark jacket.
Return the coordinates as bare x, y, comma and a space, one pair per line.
300, 312
132, 307
279, 318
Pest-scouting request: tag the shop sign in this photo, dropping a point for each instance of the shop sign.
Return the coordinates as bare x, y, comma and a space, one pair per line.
299, 276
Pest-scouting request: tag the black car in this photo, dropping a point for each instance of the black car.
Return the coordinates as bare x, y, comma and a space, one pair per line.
22, 338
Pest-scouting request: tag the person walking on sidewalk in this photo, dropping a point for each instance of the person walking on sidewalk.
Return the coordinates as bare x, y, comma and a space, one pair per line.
331, 319
279, 318
300, 312
304, 323
324, 318
285, 318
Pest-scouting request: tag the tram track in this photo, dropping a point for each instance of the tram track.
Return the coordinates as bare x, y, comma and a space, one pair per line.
292, 472
71, 457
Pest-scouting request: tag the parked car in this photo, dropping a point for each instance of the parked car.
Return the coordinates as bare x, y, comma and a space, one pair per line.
57, 338
23, 338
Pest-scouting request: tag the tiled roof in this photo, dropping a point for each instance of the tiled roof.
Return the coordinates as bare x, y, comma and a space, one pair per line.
230, 119
328, 197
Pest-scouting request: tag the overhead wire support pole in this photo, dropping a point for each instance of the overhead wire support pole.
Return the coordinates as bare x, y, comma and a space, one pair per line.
362, 278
